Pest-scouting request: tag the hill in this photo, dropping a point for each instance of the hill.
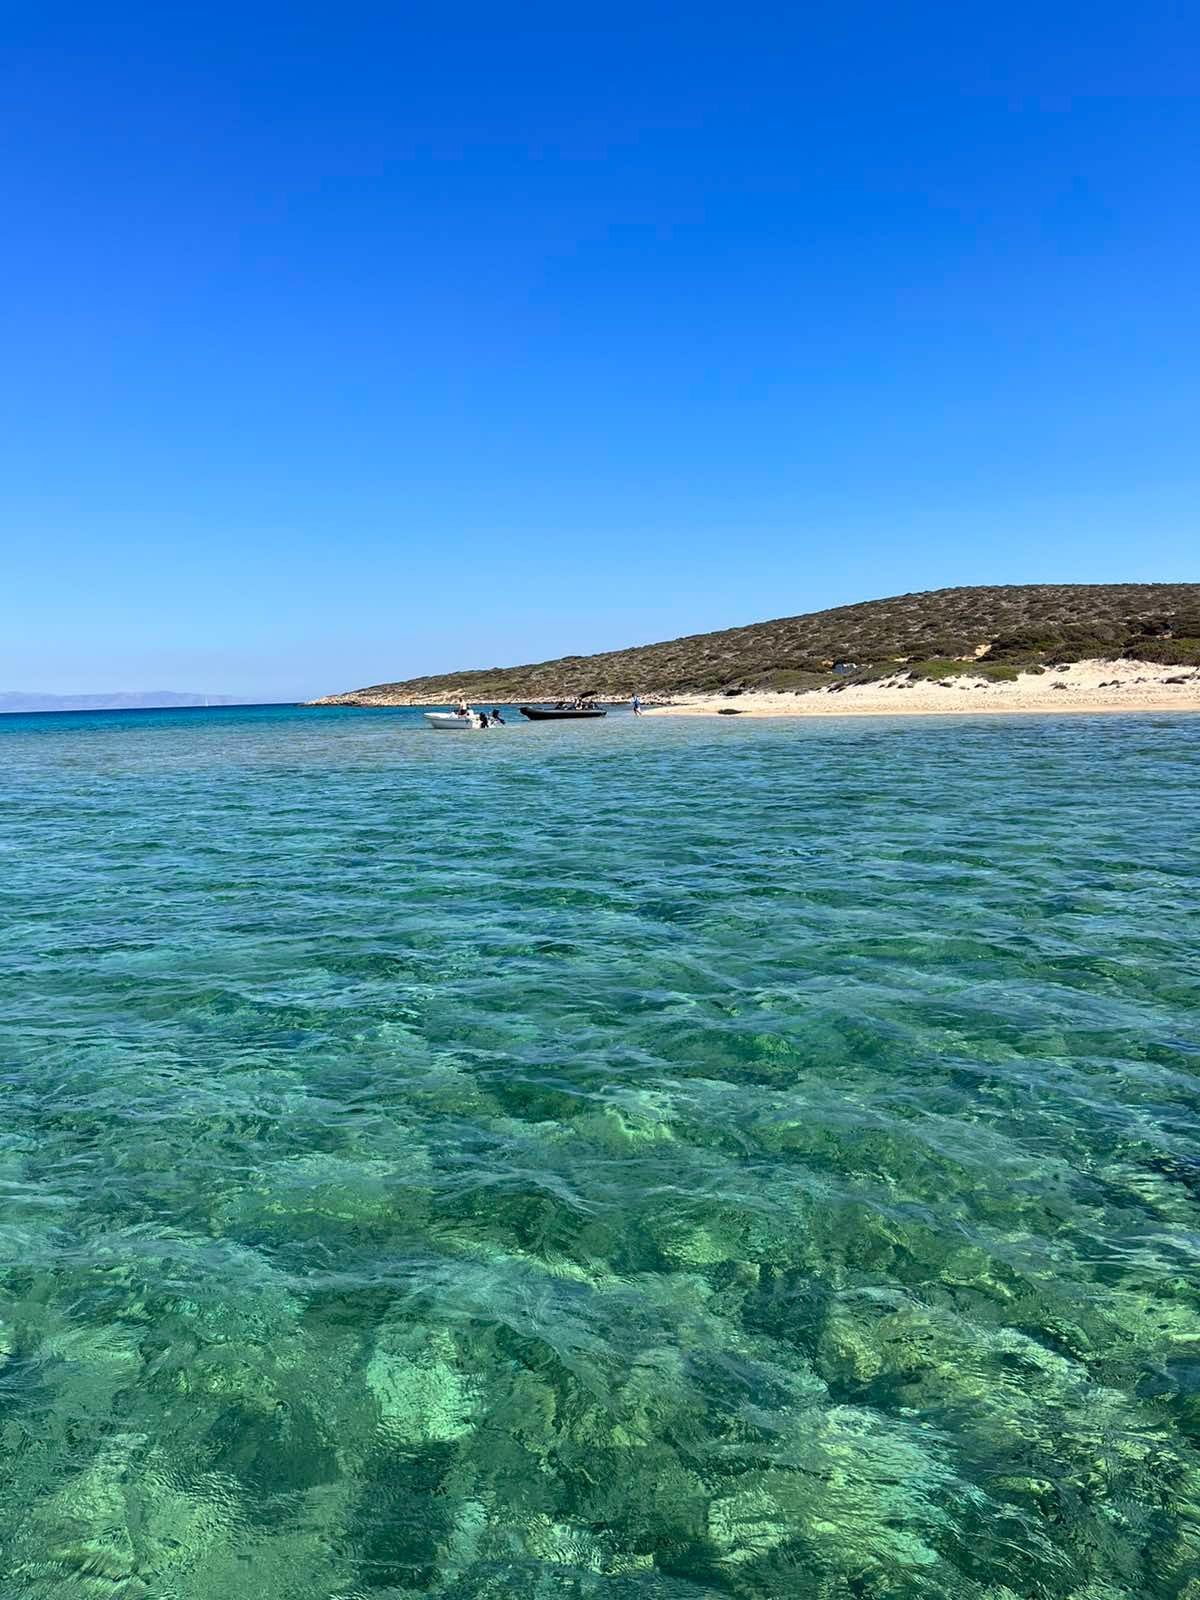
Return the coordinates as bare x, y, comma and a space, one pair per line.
997, 631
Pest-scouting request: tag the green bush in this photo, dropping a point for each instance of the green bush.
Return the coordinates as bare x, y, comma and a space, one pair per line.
1085, 648
1021, 653
872, 671
787, 679
1166, 652
941, 667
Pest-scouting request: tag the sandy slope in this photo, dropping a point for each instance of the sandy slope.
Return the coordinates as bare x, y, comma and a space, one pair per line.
1083, 686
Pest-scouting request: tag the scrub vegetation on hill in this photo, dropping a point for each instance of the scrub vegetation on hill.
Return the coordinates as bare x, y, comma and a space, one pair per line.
994, 631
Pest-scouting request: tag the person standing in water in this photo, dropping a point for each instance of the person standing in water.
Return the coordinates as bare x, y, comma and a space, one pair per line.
637, 705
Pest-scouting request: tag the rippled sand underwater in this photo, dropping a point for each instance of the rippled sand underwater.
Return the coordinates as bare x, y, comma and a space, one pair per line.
632, 1161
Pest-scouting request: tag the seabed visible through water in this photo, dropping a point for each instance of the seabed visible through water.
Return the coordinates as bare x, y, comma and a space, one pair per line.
657, 1161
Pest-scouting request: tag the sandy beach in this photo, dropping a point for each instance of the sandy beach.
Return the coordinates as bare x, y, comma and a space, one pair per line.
1092, 686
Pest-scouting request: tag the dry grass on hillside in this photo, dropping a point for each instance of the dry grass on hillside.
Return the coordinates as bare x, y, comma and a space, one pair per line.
1000, 629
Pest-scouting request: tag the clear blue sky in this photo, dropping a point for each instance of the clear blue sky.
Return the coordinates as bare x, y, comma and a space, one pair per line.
343, 342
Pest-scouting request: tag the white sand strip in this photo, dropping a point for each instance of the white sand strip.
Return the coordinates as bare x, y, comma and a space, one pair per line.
1120, 686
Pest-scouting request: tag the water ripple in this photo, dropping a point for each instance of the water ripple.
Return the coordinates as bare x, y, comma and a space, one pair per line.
643, 1160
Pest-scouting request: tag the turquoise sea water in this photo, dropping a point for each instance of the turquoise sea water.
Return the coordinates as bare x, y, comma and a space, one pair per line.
636, 1160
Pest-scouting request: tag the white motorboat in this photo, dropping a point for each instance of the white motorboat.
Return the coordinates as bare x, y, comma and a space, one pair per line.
451, 722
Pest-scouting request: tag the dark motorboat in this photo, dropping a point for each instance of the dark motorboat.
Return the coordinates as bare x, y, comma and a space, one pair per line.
560, 713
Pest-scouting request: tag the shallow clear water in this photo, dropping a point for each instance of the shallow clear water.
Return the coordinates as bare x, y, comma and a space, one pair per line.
641, 1159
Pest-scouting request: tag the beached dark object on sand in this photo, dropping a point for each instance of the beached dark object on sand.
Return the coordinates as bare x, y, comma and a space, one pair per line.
559, 714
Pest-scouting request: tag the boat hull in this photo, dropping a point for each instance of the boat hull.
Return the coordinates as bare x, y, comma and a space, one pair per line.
548, 714
449, 722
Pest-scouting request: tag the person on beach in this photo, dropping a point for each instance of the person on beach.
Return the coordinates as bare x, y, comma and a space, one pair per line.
637, 705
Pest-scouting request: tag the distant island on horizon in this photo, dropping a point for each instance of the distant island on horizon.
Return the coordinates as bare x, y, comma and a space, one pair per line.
994, 633
117, 700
